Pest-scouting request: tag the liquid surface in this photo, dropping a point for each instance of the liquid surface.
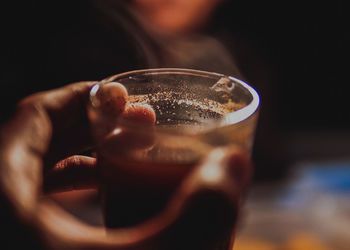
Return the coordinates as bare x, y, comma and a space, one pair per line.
186, 129
173, 108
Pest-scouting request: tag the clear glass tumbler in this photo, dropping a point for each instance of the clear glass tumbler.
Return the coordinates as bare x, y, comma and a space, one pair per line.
141, 166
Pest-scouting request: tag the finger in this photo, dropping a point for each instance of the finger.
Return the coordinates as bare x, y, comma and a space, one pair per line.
109, 98
140, 114
107, 103
73, 141
136, 130
67, 109
62, 121
73, 173
65, 106
210, 202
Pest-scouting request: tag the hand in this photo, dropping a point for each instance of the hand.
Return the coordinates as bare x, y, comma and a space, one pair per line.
53, 125
45, 128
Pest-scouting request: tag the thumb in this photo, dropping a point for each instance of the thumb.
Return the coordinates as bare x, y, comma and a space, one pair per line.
73, 173
208, 202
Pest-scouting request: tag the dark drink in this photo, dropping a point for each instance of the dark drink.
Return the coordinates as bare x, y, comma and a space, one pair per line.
134, 192
131, 195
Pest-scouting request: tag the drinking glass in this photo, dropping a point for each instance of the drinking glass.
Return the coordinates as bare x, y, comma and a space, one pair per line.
142, 165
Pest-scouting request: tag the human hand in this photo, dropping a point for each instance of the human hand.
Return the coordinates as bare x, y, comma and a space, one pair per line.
53, 125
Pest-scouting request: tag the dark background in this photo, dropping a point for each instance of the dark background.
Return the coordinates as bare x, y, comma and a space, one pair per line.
304, 47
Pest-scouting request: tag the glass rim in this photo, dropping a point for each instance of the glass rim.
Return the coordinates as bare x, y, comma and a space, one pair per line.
230, 118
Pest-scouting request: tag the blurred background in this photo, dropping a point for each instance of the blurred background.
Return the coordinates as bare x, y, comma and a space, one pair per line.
293, 52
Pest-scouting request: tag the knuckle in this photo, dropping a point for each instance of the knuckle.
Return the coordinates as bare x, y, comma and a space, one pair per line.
75, 161
31, 104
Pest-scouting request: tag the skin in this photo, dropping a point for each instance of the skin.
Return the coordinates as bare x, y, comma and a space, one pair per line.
176, 16
113, 97
140, 113
39, 148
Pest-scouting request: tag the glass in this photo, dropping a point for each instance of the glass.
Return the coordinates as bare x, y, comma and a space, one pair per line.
142, 165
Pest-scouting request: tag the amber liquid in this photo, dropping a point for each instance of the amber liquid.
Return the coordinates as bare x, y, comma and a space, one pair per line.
135, 190
130, 202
